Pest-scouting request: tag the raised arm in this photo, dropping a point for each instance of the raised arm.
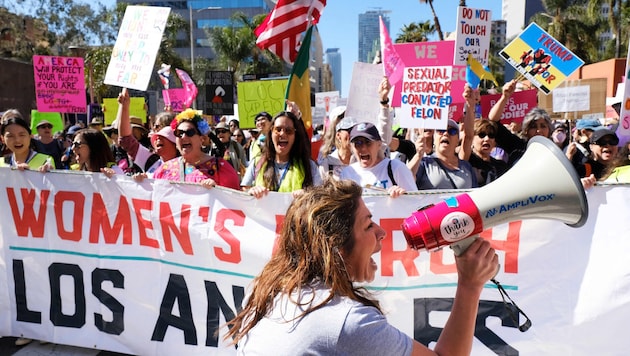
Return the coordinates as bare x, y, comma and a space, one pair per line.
497, 109
472, 97
122, 117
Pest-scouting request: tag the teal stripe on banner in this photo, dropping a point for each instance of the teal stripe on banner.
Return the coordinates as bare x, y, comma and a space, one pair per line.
131, 258
229, 273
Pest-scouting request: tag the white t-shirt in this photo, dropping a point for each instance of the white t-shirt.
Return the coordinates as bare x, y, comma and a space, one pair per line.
341, 327
378, 176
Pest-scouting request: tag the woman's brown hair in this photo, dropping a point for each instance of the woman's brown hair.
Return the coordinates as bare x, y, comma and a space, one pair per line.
317, 228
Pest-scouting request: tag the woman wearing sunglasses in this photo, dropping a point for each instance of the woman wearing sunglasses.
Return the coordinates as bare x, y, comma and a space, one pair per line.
486, 167
194, 165
93, 153
285, 164
447, 168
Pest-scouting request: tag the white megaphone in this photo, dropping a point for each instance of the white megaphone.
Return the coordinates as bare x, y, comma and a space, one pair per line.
542, 185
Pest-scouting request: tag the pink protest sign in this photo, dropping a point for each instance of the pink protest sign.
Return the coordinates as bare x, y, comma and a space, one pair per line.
59, 84
429, 54
175, 98
519, 104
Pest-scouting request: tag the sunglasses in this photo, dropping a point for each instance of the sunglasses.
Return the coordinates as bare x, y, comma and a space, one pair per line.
483, 135
451, 131
220, 131
607, 142
190, 133
362, 141
77, 144
287, 130
45, 127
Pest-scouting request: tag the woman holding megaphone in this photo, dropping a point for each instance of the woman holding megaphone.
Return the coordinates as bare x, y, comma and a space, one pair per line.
307, 298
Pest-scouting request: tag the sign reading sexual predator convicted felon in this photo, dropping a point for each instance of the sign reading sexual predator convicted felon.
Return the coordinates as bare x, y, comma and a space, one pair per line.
59, 84
425, 97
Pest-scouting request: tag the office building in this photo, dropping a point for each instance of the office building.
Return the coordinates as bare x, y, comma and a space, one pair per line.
333, 59
369, 33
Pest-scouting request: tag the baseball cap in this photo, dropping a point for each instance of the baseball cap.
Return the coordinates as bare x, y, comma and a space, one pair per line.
345, 124
42, 123
601, 133
365, 129
166, 132
590, 124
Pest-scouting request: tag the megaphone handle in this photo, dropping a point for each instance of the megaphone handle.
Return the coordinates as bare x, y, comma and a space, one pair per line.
462, 245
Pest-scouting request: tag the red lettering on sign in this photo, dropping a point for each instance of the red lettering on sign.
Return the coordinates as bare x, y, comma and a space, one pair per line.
167, 223
144, 224
28, 220
238, 217
388, 255
78, 207
100, 222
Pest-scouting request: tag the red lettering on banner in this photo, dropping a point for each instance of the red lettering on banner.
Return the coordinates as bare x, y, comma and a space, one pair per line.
168, 224
437, 264
144, 224
78, 204
279, 222
100, 222
509, 246
204, 213
388, 255
28, 220
238, 217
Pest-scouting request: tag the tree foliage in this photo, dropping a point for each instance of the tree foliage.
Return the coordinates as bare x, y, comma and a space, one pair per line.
415, 32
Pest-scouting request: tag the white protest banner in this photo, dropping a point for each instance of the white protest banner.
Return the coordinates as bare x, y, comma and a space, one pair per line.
139, 37
327, 100
363, 99
474, 29
425, 97
571, 98
155, 268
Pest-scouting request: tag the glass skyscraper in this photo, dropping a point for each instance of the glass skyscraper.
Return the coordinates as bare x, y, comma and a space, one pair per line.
369, 33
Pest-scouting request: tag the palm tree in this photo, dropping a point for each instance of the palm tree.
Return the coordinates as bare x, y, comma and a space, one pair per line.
568, 22
438, 28
415, 32
614, 19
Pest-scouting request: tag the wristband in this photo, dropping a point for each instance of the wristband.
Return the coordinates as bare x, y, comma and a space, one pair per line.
385, 102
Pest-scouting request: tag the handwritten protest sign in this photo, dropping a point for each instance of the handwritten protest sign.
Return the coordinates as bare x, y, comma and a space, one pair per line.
474, 27
133, 56
571, 98
137, 108
540, 58
428, 54
363, 99
257, 96
59, 84
519, 104
425, 97
175, 98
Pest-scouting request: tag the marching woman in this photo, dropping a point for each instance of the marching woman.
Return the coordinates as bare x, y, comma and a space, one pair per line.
16, 136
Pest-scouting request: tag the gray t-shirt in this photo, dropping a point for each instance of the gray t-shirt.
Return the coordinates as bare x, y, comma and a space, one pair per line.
341, 327
432, 176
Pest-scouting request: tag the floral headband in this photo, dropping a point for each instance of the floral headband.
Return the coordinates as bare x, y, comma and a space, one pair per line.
191, 116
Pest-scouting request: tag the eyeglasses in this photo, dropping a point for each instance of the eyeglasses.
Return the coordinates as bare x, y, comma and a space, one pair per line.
451, 131
45, 127
190, 132
287, 130
362, 141
483, 135
220, 131
607, 142
77, 144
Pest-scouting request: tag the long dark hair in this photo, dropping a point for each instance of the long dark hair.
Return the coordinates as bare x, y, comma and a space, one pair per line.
13, 117
101, 154
318, 226
300, 153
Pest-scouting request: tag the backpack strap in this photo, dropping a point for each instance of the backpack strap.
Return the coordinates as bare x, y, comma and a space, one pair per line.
390, 173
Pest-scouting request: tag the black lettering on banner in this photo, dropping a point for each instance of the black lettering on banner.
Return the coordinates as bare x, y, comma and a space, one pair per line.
216, 304
55, 272
117, 325
22, 311
176, 291
425, 333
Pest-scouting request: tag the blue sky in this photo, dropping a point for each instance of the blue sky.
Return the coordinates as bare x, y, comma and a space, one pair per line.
338, 26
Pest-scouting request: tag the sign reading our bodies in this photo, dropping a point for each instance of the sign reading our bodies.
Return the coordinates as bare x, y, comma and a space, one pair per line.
59, 84
156, 268
540, 58
519, 104
133, 56
474, 27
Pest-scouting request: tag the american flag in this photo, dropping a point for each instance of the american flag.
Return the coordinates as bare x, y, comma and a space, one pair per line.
280, 31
